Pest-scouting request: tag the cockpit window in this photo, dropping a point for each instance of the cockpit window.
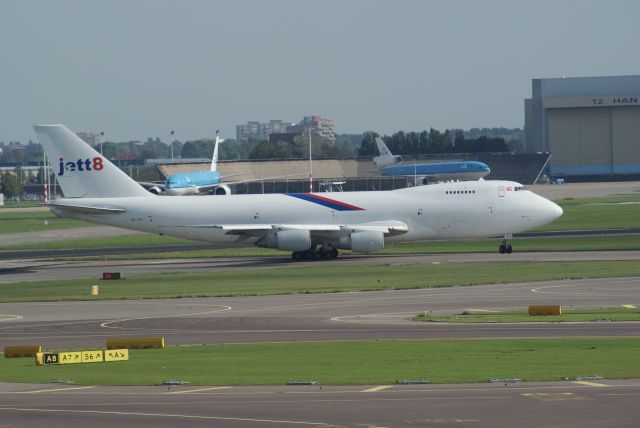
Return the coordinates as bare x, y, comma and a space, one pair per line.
517, 188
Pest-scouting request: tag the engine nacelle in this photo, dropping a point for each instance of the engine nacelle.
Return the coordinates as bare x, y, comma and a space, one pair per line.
290, 240
363, 242
155, 190
222, 189
382, 161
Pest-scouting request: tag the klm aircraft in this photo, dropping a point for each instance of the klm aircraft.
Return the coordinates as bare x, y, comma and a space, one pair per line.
425, 173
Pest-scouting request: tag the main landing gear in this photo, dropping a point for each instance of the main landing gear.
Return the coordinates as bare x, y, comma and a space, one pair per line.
315, 254
505, 247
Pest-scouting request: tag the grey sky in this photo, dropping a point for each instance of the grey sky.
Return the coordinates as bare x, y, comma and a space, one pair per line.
137, 69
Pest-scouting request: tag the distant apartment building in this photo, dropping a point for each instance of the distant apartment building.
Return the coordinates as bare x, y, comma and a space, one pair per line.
90, 138
317, 124
260, 130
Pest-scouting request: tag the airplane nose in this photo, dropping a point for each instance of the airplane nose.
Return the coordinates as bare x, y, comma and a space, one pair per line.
555, 210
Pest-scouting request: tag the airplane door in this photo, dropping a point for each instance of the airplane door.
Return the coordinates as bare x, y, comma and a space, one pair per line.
501, 191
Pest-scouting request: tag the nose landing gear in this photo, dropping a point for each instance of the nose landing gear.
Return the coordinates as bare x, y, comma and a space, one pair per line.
505, 247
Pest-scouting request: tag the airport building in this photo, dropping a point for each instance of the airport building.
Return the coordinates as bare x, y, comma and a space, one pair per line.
590, 125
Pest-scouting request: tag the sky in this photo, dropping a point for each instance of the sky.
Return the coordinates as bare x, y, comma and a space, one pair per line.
141, 68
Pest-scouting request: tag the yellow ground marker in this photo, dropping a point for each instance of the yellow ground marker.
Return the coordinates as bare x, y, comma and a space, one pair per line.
629, 306
187, 391
584, 382
377, 388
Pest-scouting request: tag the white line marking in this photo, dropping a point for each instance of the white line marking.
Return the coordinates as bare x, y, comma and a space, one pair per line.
6, 317
188, 391
377, 388
39, 391
166, 415
584, 382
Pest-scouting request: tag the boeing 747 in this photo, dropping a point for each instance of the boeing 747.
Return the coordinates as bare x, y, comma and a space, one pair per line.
309, 225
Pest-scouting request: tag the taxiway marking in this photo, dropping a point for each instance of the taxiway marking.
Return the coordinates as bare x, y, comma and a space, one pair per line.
165, 415
188, 391
584, 382
377, 388
39, 391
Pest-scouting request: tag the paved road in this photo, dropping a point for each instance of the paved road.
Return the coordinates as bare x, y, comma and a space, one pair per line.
600, 403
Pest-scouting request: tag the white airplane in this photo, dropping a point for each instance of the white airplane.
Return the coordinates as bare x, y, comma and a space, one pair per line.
309, 225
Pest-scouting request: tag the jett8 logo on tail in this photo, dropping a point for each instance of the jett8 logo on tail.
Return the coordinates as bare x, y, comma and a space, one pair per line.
94, 164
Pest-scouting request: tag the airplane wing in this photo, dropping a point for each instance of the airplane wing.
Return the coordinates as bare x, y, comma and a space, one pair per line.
389, 228
87, 210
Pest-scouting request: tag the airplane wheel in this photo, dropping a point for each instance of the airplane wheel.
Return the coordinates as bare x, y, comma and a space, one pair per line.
309, 255
502, 249
331, 254
296, 255
509, 249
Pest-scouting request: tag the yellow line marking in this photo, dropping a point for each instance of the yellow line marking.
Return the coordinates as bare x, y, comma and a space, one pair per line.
629, 306
584, 382
377, 388
55, 390
166, 415
198, 390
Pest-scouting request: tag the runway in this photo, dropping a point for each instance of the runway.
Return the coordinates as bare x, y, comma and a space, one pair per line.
554, 404
35, 270
316, 317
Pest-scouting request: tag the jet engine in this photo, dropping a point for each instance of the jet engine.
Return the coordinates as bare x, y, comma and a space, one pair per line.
382, 161
222, 189
363, 242
290, 240
155, 190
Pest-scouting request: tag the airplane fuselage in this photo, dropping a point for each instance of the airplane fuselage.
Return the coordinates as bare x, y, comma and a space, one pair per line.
184, 184
439, 171
472, 209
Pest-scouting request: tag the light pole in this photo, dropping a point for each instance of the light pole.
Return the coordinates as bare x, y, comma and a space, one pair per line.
171, 144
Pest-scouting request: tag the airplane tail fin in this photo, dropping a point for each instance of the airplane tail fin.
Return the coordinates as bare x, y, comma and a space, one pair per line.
81, 171
386, 158
214, 159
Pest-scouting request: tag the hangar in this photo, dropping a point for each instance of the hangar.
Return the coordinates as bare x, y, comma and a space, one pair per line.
590, 125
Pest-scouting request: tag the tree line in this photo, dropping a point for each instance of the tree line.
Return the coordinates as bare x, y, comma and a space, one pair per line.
431, 142
346, 146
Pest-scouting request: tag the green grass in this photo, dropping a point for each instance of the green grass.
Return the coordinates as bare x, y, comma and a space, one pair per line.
568, 315
351, 362
34, 221
21, 204
580, 214
316, 279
